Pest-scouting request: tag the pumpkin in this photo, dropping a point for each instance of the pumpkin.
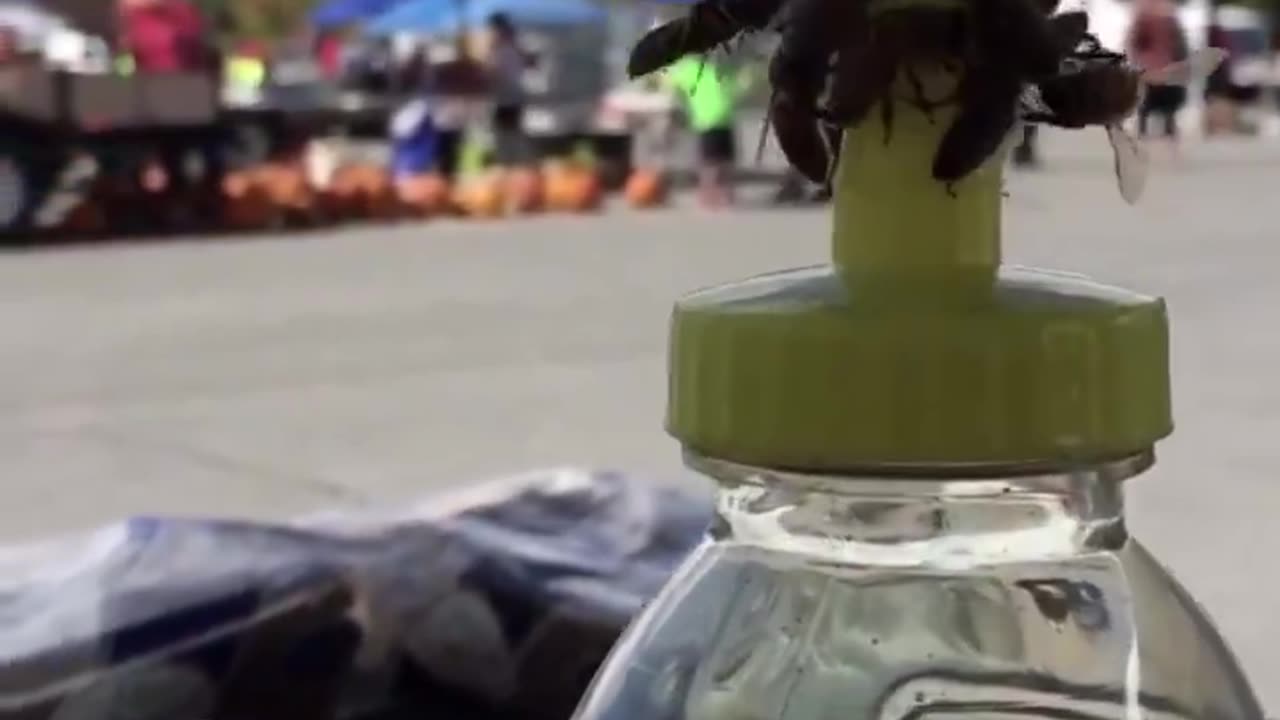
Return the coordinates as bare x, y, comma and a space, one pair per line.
374, 193
424, 195
237, 184
252, 211
584, 191
246, 205
338, 197
287, 187
523, 190
480, 197
359, 191
572, 187
382, 203
646, 188
557, 186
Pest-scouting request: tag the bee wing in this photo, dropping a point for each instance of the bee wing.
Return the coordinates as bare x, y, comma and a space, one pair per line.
800, 139
764, 135
1139, 98
1131, 163
833, 138
1199, 65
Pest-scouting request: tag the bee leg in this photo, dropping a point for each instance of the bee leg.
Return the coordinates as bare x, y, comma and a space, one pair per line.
697, 78
832, 137
850, 88
921, 100
800, 138
951, 189
986, 115
764, 128
886, 116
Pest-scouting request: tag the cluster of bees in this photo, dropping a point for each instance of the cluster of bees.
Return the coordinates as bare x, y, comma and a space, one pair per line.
1015, 61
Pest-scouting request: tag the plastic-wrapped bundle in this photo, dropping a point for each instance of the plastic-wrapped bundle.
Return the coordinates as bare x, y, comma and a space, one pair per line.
500, 601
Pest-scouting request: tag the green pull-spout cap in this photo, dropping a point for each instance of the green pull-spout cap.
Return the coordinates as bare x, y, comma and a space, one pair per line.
916, 347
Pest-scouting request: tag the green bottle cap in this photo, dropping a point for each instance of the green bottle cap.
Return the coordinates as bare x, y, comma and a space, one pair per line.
916, 347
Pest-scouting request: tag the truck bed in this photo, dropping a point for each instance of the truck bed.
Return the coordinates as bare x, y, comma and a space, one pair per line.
86, 104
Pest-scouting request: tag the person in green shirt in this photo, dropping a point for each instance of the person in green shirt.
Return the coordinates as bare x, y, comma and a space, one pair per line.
710, 102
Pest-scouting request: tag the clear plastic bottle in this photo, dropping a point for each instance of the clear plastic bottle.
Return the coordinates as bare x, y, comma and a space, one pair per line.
921, 456
823, 598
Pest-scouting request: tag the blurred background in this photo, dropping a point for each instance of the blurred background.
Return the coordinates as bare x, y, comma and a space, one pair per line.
270, 256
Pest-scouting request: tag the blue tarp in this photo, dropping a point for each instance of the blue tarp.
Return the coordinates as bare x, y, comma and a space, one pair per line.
334, 13
446, 16
498, 601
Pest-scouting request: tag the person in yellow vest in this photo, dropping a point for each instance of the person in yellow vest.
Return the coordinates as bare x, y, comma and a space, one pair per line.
710, 102
246, 68
246, 71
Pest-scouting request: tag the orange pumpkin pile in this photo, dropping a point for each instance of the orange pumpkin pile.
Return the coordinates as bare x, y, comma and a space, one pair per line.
285, 191
425, 195
646, 188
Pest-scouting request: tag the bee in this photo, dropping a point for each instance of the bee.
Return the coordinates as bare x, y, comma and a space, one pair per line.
1099, 87
708, 25
1059, 599
1012, 44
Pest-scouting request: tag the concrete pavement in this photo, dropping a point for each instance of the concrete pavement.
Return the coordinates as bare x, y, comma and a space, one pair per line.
269, 376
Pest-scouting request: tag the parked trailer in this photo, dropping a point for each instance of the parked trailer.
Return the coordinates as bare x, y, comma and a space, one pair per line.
50, 120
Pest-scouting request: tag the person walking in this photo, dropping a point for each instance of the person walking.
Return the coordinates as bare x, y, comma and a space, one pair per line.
173, 37
507, 64
709, 99
414, 137
1156, 40
462, 83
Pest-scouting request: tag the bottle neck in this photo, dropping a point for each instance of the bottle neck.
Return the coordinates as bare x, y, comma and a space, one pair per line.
899, 235
948, 517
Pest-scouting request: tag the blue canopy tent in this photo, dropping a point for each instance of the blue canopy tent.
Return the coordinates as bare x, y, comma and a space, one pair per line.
444, 17
336, 13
